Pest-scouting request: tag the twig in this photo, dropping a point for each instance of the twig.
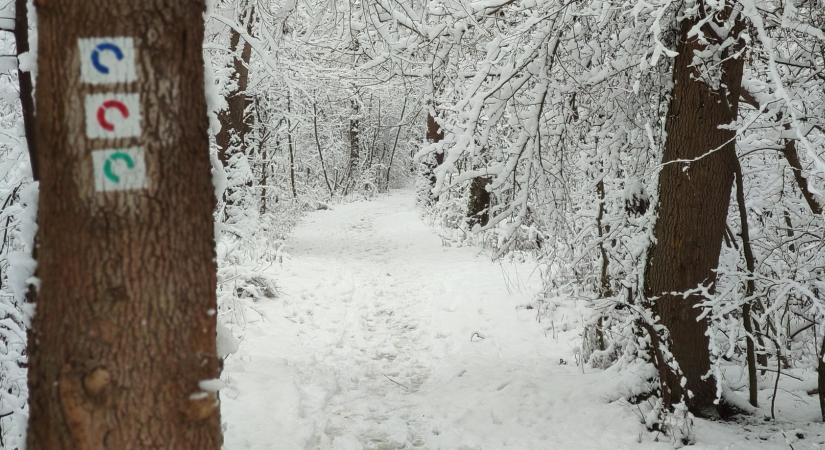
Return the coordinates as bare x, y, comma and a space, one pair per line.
403, 386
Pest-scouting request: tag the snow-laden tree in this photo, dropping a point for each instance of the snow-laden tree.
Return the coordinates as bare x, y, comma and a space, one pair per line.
574, 113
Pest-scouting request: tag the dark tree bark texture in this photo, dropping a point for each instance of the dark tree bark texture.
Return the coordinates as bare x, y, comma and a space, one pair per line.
478, 208
692, 211
124, 328
235, 123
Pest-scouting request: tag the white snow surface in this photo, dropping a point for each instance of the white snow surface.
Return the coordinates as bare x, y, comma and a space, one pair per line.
383, 338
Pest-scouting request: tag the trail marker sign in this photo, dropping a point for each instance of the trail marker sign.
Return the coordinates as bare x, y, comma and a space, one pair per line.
113, 115
107, 60
119, 169
110, 116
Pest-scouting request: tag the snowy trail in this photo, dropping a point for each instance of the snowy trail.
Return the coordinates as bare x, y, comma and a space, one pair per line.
384, 339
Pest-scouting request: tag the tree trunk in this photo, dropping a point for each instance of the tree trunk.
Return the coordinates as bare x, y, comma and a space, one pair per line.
821, 379
604, 274
434, 135
124, 330
395, 143
792, 156
354, 142
24, 79
750, 286
693, 206
235, 124
290, 145
478, 208
318, 144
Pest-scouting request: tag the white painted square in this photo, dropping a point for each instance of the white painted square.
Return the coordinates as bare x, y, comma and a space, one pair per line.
107, 60
119, 169
110, 116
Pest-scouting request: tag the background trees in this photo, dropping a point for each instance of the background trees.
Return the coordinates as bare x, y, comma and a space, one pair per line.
572, 112
557, 129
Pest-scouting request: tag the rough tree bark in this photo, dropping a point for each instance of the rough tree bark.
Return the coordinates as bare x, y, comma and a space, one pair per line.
124, 329
693, 206
235, 123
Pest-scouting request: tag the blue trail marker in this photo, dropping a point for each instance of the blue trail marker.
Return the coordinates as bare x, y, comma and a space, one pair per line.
107, 60
105, 46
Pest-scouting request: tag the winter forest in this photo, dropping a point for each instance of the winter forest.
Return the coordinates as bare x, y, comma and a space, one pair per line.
412, 224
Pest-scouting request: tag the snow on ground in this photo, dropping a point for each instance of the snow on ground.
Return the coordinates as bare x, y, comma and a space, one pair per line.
382, 338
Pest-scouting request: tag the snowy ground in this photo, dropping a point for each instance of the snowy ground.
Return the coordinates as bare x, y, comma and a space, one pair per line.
382, 338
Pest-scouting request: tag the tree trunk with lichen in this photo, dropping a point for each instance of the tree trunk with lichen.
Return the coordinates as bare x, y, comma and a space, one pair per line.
693, 207
124, 329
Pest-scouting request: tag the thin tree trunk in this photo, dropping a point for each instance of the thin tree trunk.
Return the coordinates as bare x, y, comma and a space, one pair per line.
792, 157
264, 182
24, 79
124, 331
750, 288
318, 144
604, 276
354, 142
375, 135
264, 158
693, 206
264, 162
821, 379
395, 143
290, 146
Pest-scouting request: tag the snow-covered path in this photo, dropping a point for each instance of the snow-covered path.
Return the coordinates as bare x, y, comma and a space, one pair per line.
382, 338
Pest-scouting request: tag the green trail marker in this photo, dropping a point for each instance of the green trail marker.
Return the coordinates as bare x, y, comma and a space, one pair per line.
119, 169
